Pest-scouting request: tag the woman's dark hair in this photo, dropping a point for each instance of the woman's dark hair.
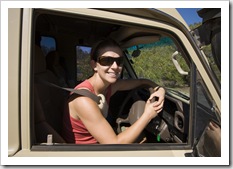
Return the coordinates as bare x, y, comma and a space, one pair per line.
97, 49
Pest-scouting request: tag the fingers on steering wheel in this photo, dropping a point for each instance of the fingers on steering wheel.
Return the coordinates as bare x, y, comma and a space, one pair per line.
159, 102
158, 111
159, 108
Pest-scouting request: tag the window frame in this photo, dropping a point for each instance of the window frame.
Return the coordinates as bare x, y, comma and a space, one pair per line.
186, 147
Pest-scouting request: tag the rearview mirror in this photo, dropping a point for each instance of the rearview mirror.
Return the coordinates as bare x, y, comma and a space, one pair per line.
136, 52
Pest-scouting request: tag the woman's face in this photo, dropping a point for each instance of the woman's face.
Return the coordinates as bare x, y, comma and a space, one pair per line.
109, 64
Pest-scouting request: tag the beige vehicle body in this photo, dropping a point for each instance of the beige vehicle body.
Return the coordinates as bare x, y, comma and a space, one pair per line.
132, 27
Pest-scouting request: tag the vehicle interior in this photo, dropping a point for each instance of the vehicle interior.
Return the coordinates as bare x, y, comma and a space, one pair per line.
62, 44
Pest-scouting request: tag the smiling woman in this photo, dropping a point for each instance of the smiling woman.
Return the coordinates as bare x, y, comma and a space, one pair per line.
81, 113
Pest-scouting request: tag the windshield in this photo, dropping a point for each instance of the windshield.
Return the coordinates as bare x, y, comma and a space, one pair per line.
155, 61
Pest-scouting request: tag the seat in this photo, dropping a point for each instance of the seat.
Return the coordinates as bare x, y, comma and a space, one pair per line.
48, 101
135, 113
42, 127
53, 64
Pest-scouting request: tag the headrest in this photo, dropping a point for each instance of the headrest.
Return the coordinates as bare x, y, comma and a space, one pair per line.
39, 60
52, 59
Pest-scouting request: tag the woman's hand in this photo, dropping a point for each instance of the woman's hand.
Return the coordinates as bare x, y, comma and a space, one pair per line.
152, 108
160, 94
149, 110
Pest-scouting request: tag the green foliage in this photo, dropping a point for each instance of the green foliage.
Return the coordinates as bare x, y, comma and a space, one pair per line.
195, 25
84, 69
155, 63
208, 52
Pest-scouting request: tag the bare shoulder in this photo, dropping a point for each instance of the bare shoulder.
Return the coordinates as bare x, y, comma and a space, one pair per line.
83, 107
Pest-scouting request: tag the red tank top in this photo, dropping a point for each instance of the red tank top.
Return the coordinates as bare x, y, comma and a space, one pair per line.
74, 130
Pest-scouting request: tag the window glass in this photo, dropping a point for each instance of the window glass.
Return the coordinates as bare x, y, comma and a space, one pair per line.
201, 97
125, 74
205, 102
47, 44
210, 141
154, 61
212, 62
209, 36
84, 69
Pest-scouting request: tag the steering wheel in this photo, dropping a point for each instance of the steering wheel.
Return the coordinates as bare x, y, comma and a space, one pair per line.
156, 126
140, 93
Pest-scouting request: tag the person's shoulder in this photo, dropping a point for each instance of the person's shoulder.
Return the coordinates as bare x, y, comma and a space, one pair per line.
82, 102
85, 85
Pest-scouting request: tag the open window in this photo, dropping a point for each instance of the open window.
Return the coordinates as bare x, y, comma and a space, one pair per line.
153, 51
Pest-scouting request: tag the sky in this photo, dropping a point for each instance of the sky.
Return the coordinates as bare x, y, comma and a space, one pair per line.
190, 15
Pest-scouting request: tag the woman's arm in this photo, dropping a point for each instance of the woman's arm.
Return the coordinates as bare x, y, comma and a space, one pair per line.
88, 111
128, 84
134, 83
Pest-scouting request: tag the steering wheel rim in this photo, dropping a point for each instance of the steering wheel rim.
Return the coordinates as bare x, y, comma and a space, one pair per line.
132, 94
156, 123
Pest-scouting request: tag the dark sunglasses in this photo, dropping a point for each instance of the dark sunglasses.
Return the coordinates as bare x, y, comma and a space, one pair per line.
108, 61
